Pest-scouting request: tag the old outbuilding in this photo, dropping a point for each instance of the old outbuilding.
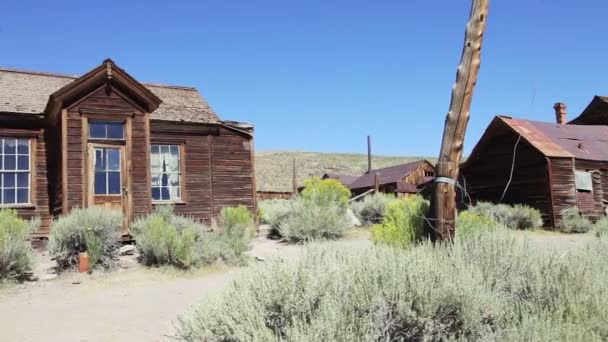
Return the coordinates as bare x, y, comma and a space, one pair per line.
550, 166
402, 179
106, 139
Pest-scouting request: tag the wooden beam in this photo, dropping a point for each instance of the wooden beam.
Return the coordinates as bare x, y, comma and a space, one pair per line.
294, 179
444, 200
377, 182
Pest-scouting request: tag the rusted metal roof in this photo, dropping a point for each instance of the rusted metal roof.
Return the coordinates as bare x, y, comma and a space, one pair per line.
570, 141
344, 179
408, 188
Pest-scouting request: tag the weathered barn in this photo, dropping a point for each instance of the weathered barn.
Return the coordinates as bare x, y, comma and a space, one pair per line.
550, 166
400, 179
346, 180
106, 139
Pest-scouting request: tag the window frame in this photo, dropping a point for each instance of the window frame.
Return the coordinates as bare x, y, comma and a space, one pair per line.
93, 119
182, 172
31, 171
106, 171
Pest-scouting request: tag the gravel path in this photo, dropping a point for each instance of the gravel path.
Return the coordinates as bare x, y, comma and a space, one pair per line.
135, 304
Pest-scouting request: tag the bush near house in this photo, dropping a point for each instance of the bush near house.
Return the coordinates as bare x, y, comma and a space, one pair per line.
372, 208
483, 287
320, 212
164, 238
403, 222
274, 211
574, 222
601, 227
515, 217
95, 230
16, 253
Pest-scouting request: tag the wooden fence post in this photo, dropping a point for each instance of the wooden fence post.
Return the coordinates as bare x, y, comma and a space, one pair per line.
377, 182
443, 202
294, 179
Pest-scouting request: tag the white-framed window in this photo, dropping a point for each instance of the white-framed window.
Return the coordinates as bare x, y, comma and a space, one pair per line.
15, 171
165, 169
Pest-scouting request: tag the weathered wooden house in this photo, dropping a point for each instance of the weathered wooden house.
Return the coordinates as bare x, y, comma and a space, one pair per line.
550, 166
106, 139
403, 179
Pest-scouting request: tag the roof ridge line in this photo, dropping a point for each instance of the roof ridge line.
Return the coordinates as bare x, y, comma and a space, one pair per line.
53, 74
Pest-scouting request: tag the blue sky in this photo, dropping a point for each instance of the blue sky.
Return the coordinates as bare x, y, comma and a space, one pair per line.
320, 75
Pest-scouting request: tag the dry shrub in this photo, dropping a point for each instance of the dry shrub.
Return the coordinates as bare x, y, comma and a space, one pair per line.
15, 251
486, 286
95, 230
515, 217
574, 222
371, 209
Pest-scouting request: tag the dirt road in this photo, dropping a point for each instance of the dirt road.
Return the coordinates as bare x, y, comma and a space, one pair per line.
136, 304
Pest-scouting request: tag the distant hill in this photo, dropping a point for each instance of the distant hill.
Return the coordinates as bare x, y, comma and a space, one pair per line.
274, 168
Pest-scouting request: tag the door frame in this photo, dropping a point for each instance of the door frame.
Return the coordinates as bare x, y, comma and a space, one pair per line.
125, 192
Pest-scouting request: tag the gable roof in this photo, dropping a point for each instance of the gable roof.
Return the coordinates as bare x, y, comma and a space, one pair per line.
555, 140
27, 92
596, 112
344, 179
388, 175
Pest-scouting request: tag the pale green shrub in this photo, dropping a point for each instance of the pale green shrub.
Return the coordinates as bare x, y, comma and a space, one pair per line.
515, 217
468, 223
164, 238
95, 230
483, 287
326, 191
16, 254
274, 211
309, 220
372, 208
574, 222
403, 222
601, 227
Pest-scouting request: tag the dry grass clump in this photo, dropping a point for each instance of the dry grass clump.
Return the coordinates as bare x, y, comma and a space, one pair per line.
485, 286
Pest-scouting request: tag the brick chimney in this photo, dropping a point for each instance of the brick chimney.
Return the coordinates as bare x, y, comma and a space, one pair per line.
560, 113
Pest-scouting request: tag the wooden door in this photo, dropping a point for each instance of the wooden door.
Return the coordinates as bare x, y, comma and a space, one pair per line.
107, 178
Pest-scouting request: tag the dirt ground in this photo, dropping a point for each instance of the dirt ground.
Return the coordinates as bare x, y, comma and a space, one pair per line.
142, 304
134, 304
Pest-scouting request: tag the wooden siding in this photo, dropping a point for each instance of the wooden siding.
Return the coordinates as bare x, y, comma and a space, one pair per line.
267, 195
40, 207
232, 170
418, 175
113, 106
591, 204
486, 176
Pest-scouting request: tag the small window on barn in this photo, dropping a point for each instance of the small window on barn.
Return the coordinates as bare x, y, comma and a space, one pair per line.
106, 130
583, 181
165, 167
15, 166
429, 174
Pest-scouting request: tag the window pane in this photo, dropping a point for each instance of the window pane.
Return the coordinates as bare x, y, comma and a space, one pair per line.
100, 183
10, 146
23, 163
100, 161
97, 130
155, 180
23, 180
10, 162
164, 193
164, 149
113, 183
164, 179
9, 196
174, 179
23, 196
115, 130
156, 194
113, 156
174, 151
8, 180
23, 146
175, 193
154, 149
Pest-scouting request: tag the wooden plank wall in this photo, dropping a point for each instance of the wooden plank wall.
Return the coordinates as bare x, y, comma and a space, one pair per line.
562, 186
417, 176
591, 203
267, 195
232, 170
487, 175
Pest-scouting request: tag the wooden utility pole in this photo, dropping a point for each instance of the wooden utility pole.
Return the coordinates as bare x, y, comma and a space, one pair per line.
443, 203
369, 154
294, 179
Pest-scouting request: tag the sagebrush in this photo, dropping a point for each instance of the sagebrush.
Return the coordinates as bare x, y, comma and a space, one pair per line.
517, 216
95, 230
371, 209
16, 253
574, 222
274, 211
484, 287
164, 238
403, 222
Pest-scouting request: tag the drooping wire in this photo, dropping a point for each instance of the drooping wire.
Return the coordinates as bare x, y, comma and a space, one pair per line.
512, 169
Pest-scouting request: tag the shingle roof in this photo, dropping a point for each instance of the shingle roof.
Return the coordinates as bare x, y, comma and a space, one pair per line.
570, 141
391, 174
27, 92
